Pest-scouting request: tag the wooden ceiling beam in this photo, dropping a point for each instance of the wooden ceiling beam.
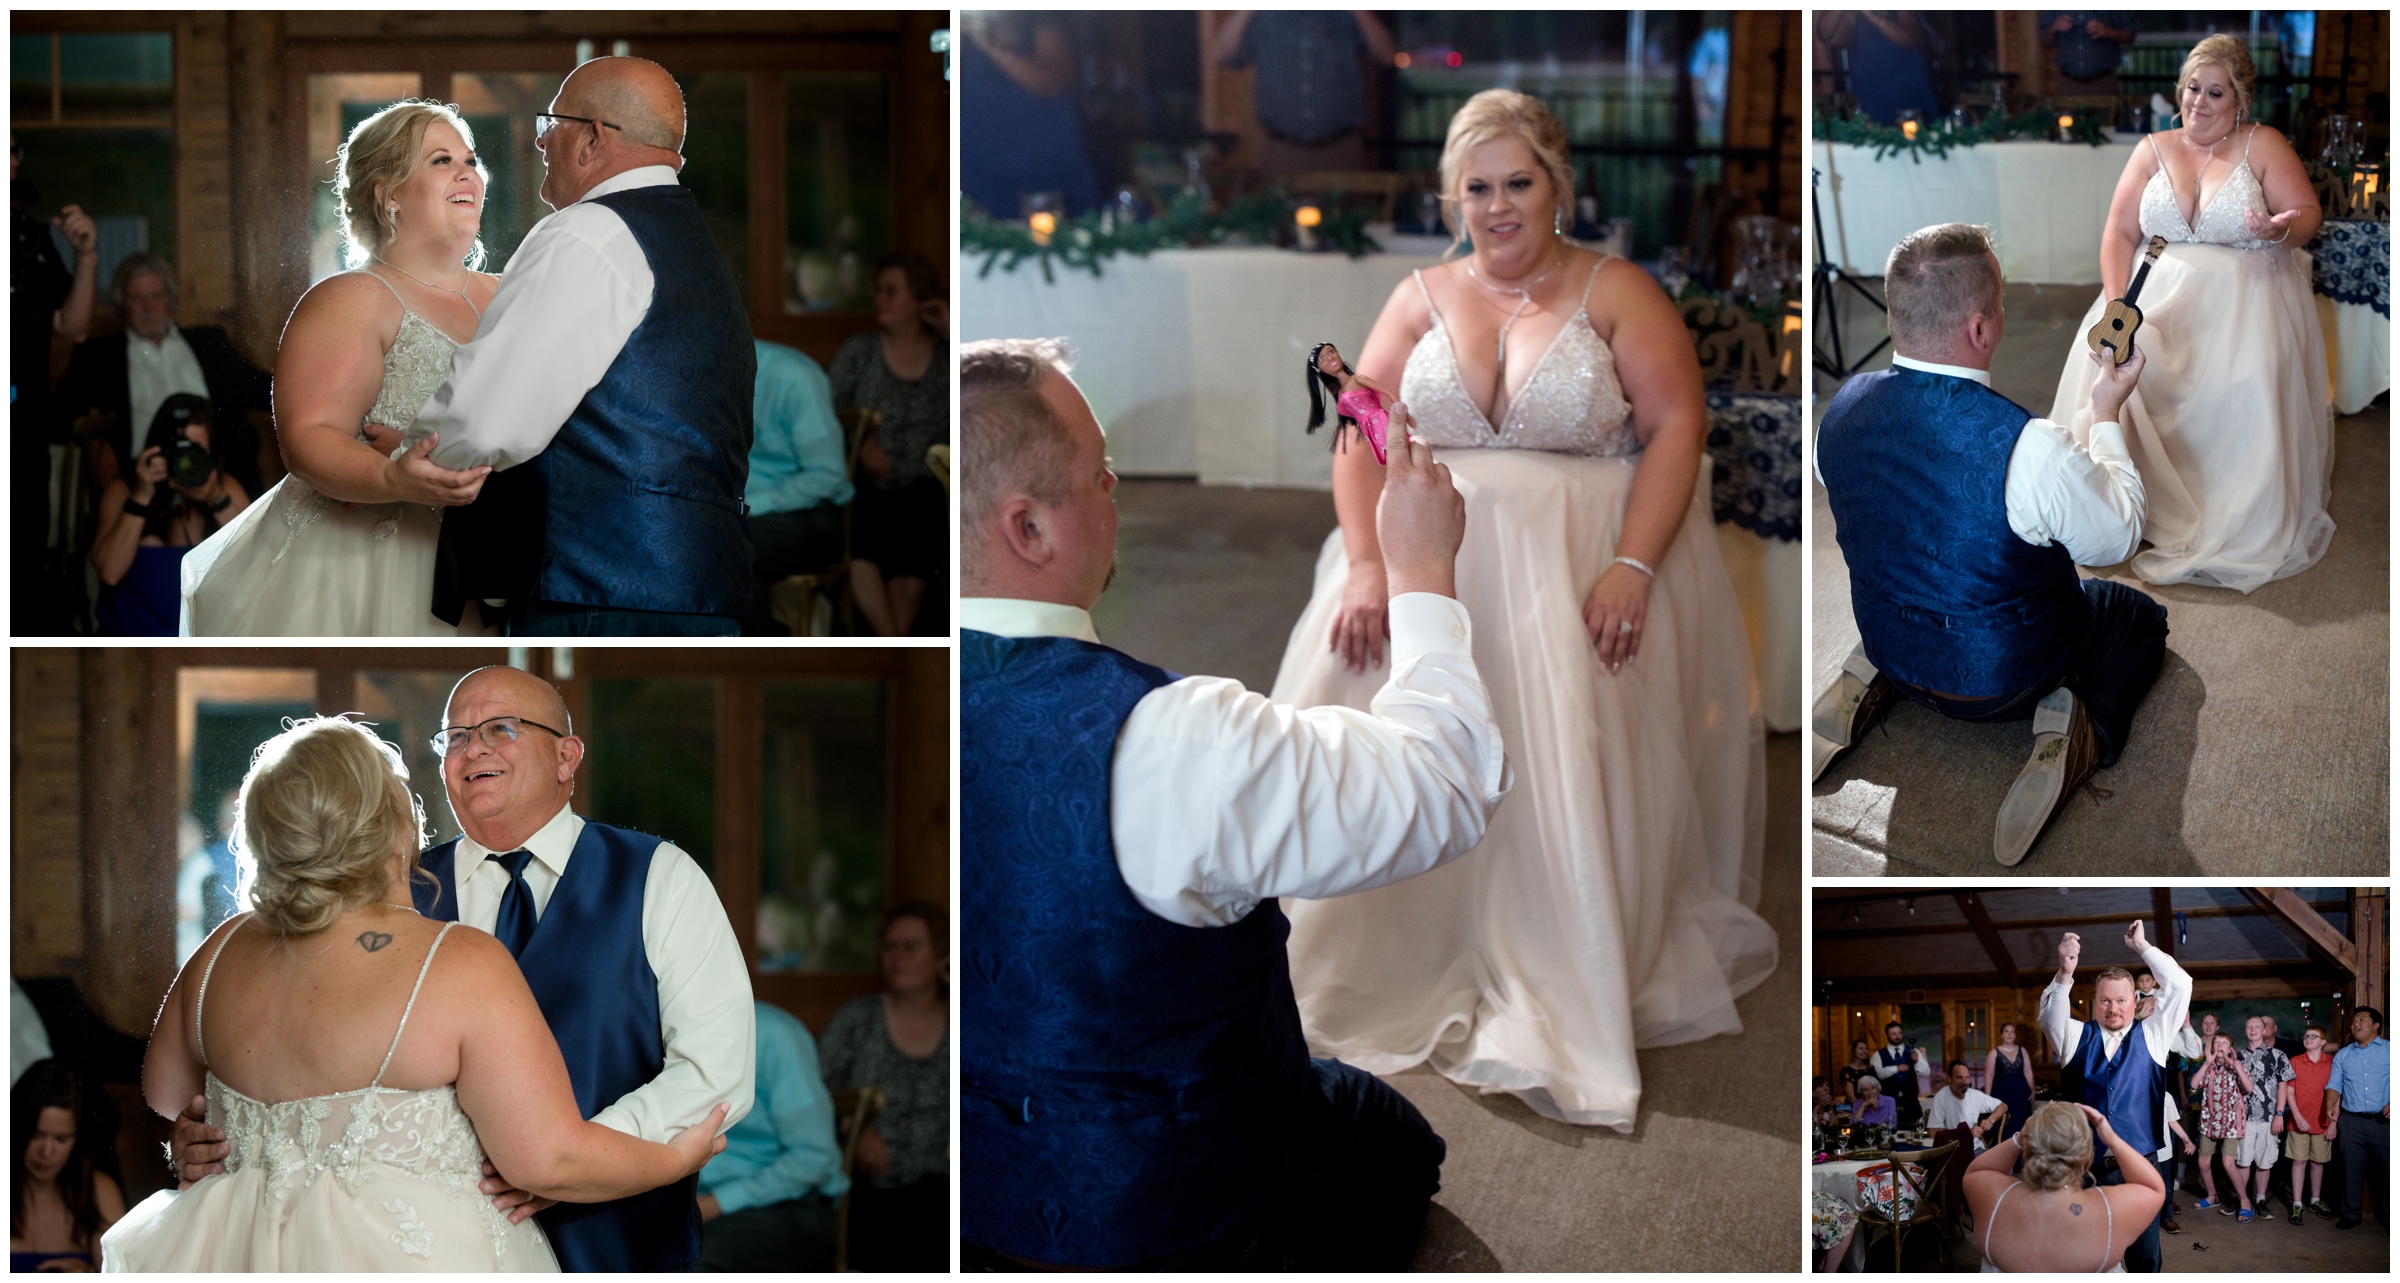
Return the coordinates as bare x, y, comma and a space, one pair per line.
2060, 924
1971, 905
2303, 923
2162, 908
2299, 972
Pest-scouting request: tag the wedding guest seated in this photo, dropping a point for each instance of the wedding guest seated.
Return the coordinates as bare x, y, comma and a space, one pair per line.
766, 1203
149, 520
1960, 1106
898, 1041
1874, 1109
1962, 576
2044, 1221
62, 1202
130, 374
799, 480
900, 528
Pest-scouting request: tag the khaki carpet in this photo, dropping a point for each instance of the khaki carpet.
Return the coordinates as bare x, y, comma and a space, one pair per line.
2264, 749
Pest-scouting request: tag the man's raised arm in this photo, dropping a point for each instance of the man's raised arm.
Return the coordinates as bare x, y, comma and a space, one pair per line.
2174, 993
1224, 798
2056, 1018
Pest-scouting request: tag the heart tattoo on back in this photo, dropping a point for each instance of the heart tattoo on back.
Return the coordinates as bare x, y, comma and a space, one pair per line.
372, 941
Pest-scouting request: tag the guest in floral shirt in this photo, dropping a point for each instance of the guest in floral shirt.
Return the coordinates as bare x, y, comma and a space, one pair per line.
2223, 1085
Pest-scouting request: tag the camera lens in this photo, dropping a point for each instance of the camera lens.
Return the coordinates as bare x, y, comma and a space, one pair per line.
189, 465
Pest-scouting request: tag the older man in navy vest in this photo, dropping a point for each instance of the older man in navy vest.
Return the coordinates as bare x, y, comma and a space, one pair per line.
2117, 1060
621, 938
610, 384
1962, 517
1136, 1090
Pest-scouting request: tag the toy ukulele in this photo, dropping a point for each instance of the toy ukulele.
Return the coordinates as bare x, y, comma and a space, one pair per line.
1357, 399
2121, 320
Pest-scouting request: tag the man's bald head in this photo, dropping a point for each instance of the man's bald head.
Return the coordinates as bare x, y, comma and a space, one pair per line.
640, 108
526, 694
635, 94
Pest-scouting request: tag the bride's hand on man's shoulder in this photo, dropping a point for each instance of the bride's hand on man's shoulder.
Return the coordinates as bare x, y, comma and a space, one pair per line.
415, 478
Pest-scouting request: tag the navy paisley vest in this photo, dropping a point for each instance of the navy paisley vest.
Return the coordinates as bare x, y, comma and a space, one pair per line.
1127, 1084
645, 480
588, 969
1947, 597
2128, 1087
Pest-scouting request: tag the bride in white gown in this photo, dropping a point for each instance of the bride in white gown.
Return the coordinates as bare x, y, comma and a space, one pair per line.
1610, 906
2232, 428
333, 982
344, 545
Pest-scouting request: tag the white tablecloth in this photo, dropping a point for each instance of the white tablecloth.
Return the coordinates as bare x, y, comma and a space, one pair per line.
2045, 202
1194, 362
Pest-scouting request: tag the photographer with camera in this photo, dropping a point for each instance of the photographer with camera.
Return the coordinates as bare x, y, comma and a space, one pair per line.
177, 495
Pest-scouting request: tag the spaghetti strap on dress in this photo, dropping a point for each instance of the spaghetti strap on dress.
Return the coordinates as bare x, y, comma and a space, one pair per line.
373, 1179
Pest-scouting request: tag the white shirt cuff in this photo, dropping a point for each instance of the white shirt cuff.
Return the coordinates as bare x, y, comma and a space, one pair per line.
2108, 442
1425, 623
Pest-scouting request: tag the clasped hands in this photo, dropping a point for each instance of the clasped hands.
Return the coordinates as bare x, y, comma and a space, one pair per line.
415, 478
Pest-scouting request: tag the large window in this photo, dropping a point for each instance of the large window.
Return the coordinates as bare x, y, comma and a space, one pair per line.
783, 772
790, 147
95, 115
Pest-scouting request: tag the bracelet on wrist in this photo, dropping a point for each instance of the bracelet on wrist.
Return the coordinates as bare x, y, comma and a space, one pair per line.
223, 502
1628, 561
142, 510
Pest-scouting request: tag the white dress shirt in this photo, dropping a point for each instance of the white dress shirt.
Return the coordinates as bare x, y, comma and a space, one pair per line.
2084, 496
1220, 798
704, 1011
575, 290
1950, 1110
156, 371
2174, 1000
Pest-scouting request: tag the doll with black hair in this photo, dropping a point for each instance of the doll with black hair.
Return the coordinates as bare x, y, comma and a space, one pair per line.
1357, 399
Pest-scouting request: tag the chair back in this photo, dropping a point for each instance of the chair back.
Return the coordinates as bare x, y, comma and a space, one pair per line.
857, 426
853, 1109
1931, 1182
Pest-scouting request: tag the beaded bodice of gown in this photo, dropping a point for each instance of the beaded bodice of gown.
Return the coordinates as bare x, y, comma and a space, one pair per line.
1570, 403
413, 370
358, 1138
2221, 222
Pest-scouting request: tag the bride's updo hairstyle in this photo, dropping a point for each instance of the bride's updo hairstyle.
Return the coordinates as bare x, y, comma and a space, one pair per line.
1504, 113
323, 808
382, 152
2057, 1142
2229, 55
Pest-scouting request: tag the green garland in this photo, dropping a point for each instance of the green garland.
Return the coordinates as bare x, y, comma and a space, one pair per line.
1935, 139
1082, 244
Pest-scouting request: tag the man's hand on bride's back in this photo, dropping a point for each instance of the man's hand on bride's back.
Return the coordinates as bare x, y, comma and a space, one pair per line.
199, 1148
415, 478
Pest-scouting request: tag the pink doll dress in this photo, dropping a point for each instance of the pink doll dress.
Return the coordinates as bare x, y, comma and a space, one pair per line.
1366, 406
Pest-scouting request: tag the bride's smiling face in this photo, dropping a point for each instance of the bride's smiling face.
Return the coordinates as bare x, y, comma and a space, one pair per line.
2209, 103
1507, 200
446, 189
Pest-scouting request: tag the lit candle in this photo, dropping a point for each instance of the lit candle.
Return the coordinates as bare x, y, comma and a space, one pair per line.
1044, 223
1309, 216
1908, 129
2065, 123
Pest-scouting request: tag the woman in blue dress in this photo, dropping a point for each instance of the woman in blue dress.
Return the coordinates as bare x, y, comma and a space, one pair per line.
2008, 1073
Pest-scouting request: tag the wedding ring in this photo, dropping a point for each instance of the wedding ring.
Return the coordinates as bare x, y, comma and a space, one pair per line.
1624, 625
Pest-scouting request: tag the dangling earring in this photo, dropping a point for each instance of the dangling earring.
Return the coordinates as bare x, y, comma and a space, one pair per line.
1558, 223
395, 211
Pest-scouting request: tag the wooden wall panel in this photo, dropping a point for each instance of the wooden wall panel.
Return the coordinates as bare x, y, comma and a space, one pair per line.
46, 820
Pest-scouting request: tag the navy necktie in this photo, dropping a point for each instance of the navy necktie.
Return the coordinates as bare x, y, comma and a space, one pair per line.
515, 926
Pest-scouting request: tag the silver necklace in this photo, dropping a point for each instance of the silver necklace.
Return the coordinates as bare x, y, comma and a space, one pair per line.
1524, 293
462, 296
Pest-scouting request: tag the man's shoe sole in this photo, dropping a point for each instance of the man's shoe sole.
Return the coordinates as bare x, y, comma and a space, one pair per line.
2033, 799
1836, 724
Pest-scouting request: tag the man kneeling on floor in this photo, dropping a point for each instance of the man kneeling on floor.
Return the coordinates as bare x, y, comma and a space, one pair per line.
1962, 518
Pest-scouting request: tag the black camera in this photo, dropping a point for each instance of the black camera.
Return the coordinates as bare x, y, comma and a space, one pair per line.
189, 463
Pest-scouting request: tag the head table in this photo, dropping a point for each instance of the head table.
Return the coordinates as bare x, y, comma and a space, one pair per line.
1194, 361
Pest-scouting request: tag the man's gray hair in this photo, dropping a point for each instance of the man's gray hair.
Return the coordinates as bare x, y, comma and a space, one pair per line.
136, 264
1938, 277
1010, 442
